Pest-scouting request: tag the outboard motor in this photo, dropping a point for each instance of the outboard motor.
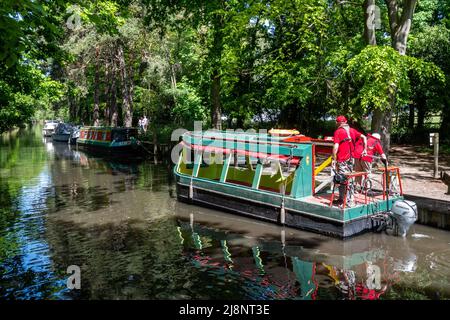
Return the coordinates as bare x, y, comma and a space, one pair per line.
403, 214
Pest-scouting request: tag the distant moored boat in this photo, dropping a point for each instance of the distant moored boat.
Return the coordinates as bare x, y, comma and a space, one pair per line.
62, 132
49, 127
108, 139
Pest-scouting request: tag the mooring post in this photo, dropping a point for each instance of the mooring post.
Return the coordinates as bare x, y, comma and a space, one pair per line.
436, 154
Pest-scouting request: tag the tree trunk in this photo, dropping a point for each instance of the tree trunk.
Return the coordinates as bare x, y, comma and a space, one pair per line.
400, 26
381, 123
113, 93
216, 112
216, 50
369, 25
113, 98
401, 33
126, 98
96, 89
72, 106
412, 114
107, 111
131, 89
420, 119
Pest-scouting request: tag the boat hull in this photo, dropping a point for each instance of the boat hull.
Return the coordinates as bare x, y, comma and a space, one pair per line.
108, 148
297, 215
61, 137
108, 140
47, 132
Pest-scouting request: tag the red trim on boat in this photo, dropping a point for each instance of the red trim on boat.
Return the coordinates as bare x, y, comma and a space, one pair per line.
294, 160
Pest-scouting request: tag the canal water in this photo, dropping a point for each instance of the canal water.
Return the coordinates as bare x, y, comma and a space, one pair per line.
118, 220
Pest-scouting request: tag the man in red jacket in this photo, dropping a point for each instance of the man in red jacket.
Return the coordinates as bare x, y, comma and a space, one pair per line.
344, 146
363, 163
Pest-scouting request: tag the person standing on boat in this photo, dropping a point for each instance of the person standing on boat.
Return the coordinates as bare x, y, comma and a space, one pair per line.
344, 146
363, 163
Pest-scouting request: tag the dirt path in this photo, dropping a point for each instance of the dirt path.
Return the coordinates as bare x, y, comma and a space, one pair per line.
416, 169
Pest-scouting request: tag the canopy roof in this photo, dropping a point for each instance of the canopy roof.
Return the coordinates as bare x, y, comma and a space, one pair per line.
260, 155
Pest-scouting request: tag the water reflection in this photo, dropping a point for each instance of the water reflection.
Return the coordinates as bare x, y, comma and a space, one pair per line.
372, 266
119, 220
278, 270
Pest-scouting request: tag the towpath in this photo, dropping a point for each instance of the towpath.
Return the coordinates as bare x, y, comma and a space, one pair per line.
416, 169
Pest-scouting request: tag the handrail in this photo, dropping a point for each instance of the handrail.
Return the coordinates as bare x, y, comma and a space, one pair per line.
294, 161
238, 140
349, 175
394, 169
323, 165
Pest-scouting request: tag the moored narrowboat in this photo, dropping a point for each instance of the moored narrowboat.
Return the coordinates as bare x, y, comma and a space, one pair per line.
108, 139
74, 135
49, 127
274, 178
62, 132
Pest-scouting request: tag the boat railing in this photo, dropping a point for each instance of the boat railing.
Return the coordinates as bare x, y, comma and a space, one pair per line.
349, 187
390, 181
234, 138
393, 183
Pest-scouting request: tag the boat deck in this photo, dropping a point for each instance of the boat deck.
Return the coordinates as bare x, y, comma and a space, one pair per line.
359, 198
322, 198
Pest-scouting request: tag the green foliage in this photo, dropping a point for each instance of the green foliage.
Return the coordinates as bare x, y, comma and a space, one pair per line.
24, 89
275, 63
188, 107
28, 27
382, 76
105, 15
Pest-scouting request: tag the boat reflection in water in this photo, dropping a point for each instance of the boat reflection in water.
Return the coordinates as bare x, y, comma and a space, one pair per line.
302, 265
85, 159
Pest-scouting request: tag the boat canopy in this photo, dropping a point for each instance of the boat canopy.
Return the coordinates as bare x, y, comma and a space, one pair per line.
247, 142
64, 128
256, 161
294, 161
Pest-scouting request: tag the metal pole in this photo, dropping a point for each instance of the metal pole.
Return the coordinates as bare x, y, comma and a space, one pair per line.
436, 155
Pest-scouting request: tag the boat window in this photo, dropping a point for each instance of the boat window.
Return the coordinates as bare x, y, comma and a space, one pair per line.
119, 135
124, 134
242, 170
186, 162
276, 176
211, 167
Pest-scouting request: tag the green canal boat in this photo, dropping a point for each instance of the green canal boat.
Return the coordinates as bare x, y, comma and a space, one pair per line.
108, 139
274, 178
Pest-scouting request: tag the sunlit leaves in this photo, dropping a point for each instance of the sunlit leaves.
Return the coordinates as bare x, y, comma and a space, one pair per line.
382, 76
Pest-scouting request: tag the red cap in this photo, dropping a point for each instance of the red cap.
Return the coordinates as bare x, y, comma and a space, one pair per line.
341, 119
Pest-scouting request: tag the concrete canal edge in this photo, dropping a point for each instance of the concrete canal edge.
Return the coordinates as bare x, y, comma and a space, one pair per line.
432, 212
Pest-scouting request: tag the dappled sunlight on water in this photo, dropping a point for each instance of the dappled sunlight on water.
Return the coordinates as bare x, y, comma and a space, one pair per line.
120, 222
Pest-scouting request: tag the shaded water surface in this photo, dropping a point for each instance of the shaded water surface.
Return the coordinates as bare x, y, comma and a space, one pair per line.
120, 222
